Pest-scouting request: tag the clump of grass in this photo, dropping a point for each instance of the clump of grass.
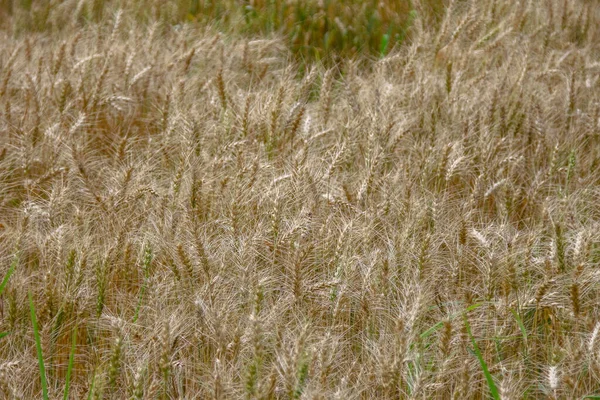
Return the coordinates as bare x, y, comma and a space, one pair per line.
318, 30
216, 225
315, 30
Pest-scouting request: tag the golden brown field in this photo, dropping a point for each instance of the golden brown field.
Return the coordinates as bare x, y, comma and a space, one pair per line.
197, 207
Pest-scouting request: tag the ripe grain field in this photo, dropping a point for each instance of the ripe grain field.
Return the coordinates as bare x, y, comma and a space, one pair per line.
300, 199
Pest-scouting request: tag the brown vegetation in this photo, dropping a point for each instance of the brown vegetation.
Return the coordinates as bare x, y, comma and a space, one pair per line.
214, 226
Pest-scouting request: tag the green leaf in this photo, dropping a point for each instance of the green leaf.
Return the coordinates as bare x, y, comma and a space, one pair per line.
4, 334
486, 371
92, 388
385, 41
11, 270
437, 326
521, 326
38, 346
71, 362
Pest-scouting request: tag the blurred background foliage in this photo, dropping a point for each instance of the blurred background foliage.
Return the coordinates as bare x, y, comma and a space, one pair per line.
321, 30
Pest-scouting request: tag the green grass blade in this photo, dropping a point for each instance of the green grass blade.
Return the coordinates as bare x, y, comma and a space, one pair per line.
486, 371
11, 270
4, 334
93, 386
71, 361
521, 326
431, 330
38, 345
438, 325
383, 46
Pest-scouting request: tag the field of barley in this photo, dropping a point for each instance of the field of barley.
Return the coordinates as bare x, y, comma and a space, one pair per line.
300, 199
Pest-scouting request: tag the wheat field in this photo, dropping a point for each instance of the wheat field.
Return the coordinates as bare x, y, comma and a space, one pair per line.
191, 210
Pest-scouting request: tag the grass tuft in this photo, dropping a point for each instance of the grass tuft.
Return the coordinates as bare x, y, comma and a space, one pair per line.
38, 347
